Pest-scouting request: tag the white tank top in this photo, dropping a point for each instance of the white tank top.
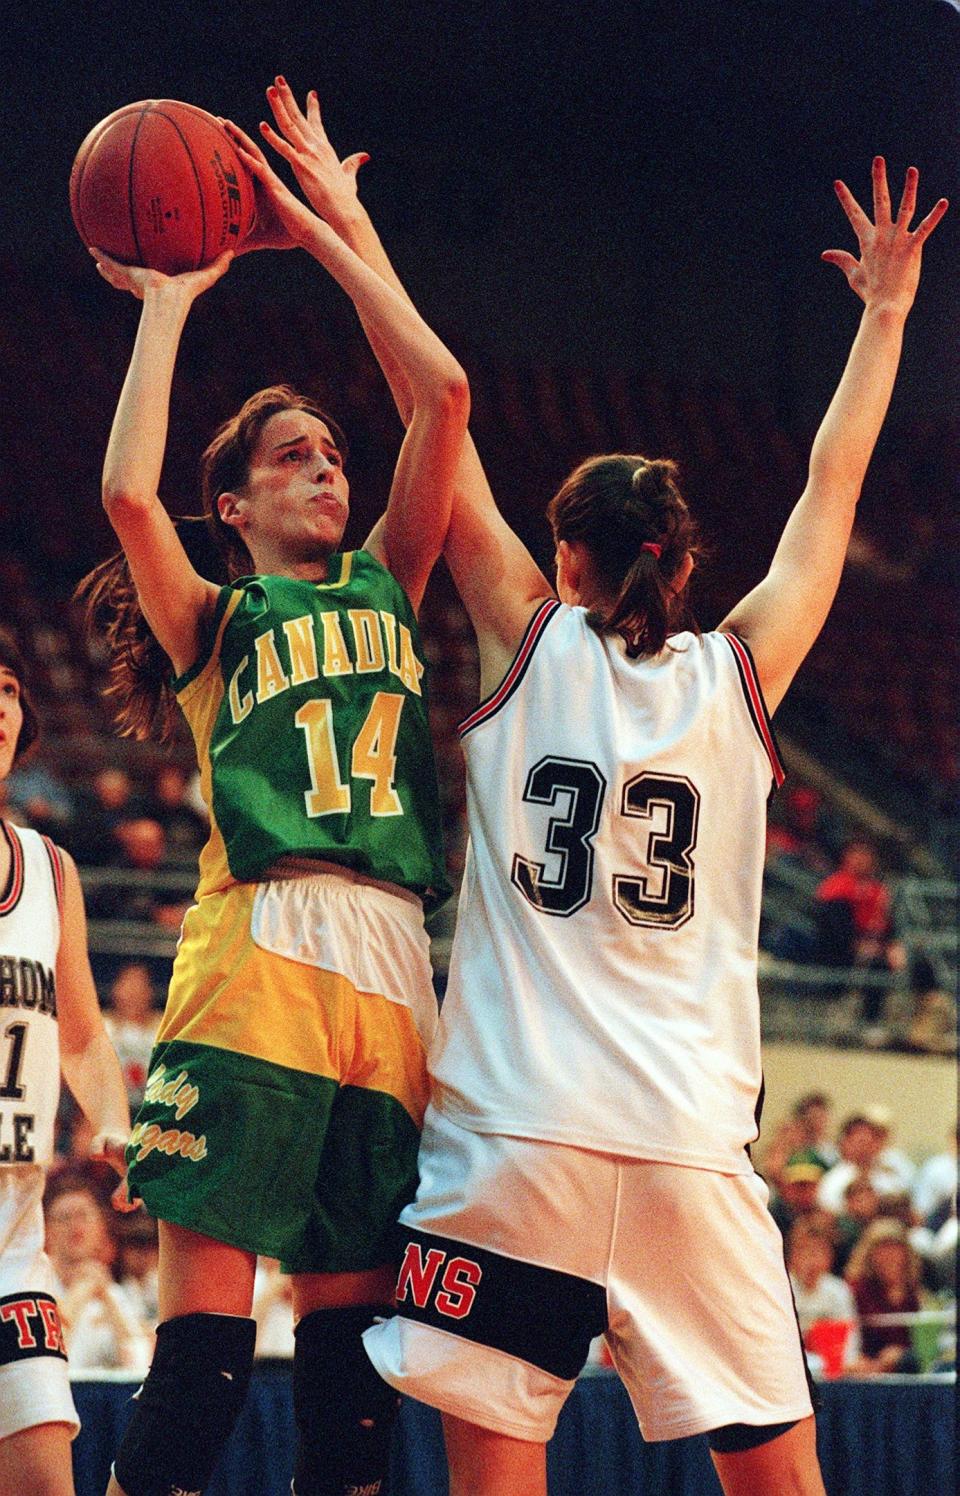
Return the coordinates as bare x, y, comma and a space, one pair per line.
30, 911
603, 981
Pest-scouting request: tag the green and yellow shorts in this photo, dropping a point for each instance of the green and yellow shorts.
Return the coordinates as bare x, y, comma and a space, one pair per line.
288, 1083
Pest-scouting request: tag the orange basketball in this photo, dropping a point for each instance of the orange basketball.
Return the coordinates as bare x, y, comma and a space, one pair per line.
159, 184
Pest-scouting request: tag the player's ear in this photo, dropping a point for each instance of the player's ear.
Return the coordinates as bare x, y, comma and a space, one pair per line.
569, 572
231, 508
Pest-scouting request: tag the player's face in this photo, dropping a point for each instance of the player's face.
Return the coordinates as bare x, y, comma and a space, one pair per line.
11, 719
295, 501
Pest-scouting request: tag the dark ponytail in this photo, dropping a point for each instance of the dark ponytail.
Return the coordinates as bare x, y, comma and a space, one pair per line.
629, 514
140, 672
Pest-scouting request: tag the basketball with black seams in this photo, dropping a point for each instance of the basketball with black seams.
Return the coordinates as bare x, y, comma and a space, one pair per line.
159, 184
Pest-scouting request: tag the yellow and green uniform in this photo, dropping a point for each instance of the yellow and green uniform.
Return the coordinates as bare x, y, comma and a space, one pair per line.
288, 1083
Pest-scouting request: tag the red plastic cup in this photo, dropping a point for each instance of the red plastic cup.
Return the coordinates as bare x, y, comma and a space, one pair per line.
828, 1339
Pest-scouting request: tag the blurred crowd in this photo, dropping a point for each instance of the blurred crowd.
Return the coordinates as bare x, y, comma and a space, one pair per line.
844, 917
870, 1237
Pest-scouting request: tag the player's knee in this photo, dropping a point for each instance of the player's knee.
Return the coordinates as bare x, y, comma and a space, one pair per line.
734, 1438
344, 1411
188, 1404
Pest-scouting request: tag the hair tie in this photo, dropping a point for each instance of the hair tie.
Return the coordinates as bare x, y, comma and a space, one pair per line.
653, 547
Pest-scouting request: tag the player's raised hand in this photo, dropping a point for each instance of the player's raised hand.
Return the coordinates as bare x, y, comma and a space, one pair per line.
329, 184
138, 280
282, 219
888, 270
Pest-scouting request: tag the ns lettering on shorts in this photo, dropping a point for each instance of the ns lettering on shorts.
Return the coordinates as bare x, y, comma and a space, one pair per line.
30, 1327
536, 1314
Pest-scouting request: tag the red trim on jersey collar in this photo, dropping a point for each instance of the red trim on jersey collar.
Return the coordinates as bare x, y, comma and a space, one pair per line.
15, 883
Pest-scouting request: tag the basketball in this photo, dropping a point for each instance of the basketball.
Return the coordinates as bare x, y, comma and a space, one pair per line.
159, 184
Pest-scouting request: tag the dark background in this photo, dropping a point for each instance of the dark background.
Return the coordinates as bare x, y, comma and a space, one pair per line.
632, 185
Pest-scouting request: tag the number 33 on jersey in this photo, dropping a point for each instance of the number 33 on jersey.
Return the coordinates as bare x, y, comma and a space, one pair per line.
617, 818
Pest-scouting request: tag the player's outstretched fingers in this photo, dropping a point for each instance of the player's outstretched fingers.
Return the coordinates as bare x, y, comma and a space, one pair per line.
243, 141
908, 201
881, 192
846, 262
286, 110
313, 112
859, 221
927, 226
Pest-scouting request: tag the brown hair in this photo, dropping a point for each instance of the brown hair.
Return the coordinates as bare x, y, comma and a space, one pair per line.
12, 660
619, 506
140, 672
860, 1267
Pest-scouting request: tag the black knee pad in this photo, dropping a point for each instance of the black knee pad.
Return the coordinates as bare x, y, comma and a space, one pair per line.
186, 1408
344, 1411
736, 1437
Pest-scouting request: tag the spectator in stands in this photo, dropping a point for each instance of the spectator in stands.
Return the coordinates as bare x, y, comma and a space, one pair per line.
854, 922
861, 1205
894, 1160
935, 1182
863, 1140
141, 846
100, 811
884, 1272
817, 1292
932, 1024
132, 1024
802, 1137
138, 1255
184, 827
100, 1330
795, 829
797, 1196
42, 798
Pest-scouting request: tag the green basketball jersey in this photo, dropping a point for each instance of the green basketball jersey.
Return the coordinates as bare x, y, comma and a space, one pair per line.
310, 720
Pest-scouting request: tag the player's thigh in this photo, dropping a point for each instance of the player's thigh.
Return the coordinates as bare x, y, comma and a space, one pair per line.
37, 1460
702, 1325
342, 1290
199, 1275
485, 1463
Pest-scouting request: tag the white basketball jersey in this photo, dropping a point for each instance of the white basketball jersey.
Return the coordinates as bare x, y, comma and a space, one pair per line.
30, 910
603, 982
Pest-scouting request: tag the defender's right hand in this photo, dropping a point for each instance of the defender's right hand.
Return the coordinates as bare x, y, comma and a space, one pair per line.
329, 184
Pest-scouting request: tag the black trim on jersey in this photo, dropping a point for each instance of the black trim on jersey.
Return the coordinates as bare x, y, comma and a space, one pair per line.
27, 1330
518, 668
13, 889
536, 1314
764, 727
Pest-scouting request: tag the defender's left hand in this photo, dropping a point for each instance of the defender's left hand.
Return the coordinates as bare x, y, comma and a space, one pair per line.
888, 270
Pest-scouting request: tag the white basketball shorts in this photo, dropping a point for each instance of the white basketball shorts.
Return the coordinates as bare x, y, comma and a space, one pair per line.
517, 1252
34, 1385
